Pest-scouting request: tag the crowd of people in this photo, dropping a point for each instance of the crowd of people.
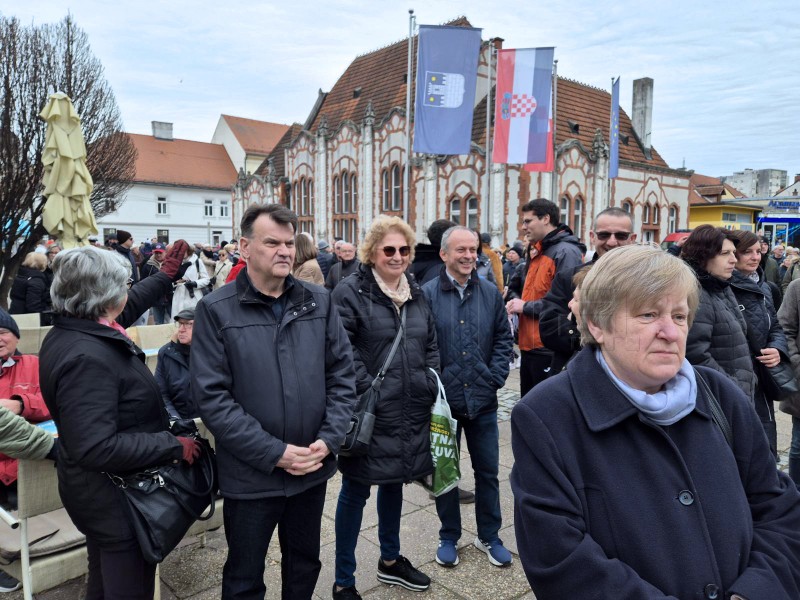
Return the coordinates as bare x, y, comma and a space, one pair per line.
644, 443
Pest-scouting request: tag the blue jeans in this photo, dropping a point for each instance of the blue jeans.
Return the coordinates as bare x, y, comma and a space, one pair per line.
161, 314
249, 525
349, 511
484, 450
794, 452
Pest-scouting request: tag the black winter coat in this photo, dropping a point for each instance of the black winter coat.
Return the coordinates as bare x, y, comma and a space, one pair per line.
717, 338
172, 375
401, 446
30, 292
261, 383
475, 343
339, 271
427, 263
109, 414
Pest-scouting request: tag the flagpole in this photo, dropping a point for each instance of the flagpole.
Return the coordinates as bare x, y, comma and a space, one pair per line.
610, 138
407, 171
554, 191
488, 161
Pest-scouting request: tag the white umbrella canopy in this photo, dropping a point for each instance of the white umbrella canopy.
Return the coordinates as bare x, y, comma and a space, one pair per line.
67, 214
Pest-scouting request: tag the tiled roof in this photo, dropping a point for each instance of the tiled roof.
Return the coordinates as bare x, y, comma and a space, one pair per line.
700, 180
182, 162
256, 137
590, 109
277, 152
709, 190
381, 77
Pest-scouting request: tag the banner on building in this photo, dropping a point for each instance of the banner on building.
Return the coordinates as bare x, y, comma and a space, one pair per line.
613, 160
522, 107
447, 70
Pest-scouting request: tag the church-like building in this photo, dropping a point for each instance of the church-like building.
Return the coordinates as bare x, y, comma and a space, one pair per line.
345, 164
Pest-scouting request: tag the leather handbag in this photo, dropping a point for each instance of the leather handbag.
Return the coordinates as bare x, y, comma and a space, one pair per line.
362, 422
778, 381
163, 502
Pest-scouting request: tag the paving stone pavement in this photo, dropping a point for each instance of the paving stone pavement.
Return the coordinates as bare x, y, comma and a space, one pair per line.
194, 572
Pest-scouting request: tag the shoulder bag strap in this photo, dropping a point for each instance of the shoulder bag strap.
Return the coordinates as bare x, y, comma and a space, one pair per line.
376, 383
716, 410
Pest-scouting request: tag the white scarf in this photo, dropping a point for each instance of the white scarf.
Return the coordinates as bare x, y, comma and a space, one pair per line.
667, 406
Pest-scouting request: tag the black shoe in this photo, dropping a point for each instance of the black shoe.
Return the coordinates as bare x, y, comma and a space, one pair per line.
8, 583
403, 573
348, 593
465, 497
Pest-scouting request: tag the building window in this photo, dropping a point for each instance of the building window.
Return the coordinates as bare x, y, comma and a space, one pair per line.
337, 196
645, 214
731, 217
163, 235
672, 220
397, 188
455, 210
563, 214
208, 208
345, 225
216, 236
472, 212
354, 191
577, 214
385, 189
656, 210
310, 198
161, 206
223, 208
627, 207
345, 193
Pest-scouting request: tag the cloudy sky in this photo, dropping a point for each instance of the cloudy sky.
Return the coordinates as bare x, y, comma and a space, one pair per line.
726, 72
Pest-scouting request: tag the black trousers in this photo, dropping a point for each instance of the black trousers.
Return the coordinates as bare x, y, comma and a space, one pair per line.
121, 573
534, 367
249, 525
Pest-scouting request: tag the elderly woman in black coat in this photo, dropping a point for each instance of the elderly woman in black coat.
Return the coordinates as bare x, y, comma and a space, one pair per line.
765, 335
369, 303
107, 407
637, 475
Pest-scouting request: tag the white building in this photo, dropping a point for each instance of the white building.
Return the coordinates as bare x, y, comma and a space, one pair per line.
247, 141
181, 190
757, 182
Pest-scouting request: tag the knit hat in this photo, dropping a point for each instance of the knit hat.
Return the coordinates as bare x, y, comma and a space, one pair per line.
123, 236
7, 322
518, 248
486, 238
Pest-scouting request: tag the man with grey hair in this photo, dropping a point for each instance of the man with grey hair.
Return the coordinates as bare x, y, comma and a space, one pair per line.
273, 378
347, 265
612, 227
475, 346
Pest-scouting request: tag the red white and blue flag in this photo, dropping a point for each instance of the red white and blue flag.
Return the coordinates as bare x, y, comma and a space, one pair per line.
522, 108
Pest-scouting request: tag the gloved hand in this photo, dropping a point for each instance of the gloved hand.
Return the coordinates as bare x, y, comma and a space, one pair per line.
212, 281
191, 449
190, 285
174, 259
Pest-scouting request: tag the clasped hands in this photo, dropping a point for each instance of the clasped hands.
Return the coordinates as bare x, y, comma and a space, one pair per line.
297, 460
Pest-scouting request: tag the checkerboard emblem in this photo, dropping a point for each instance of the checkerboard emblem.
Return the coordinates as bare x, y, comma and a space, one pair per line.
517, 105
444, 90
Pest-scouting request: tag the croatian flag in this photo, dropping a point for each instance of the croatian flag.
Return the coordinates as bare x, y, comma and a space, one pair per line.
548, 165
522, 108
613, 160
447, 70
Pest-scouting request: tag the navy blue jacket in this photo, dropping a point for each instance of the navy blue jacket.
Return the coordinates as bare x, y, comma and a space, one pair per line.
261, 383
475, 342
610, 505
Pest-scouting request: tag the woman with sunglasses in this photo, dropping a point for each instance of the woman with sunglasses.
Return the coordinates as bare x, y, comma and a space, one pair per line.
370, 303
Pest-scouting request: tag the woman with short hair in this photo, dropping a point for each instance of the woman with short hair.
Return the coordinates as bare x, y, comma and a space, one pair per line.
107, 407
627, 481
370, 302
30, 292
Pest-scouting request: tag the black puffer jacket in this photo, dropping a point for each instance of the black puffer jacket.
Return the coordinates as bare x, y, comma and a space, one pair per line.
758, 308
717, 338
30, 292
401, 447
427, 263
108, 411
172, 375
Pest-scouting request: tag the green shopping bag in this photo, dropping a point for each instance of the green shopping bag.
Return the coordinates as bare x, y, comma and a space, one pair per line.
444, 447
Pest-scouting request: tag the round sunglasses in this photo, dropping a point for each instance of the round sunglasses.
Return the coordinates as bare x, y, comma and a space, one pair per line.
390, 251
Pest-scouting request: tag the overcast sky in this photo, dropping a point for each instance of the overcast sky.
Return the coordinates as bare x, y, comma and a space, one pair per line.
726, 92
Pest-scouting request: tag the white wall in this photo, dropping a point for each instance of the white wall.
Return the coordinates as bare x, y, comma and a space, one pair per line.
223, 135
185, 216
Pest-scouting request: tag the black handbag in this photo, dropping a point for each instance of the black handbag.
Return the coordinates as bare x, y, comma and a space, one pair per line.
163, 502
778, 381
362, 422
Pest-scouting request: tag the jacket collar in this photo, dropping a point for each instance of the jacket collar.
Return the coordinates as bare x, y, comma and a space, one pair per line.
602, 405
447, 285
97, 330
295, 292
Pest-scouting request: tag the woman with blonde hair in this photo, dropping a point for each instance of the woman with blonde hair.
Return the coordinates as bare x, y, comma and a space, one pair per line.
375, 302
30, 292
224, 266
306, 267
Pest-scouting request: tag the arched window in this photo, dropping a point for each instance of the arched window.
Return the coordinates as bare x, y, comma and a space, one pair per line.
645, 213
337, 195
627, 207
455, 210
577, 214
310, 198
397, 188
656, 210
672, 220
472, 212
385, 189
293, 193
564, 210
354, 192
345, 192
303, 196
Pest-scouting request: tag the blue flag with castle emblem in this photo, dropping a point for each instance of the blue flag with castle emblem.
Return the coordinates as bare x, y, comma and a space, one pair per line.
613, 160
447, 70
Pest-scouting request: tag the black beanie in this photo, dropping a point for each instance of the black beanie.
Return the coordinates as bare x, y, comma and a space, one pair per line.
7, 322
123, 236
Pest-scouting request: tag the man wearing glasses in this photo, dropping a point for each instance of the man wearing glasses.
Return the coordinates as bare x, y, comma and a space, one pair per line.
611, 228
552, 248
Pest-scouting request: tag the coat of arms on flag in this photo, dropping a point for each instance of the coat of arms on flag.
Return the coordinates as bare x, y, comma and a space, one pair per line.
517, 105
444, 90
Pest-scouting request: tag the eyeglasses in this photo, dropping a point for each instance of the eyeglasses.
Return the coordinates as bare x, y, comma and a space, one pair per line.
186, 324
389, 251
620, 236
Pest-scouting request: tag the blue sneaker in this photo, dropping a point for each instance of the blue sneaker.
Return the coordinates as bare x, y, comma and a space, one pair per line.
447, 554
498, 555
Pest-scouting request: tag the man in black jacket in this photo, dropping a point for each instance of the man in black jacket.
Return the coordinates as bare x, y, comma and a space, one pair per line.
273, 378
427, 262
347, 265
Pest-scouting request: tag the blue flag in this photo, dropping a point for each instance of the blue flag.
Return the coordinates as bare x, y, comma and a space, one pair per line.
613, 160
447, 70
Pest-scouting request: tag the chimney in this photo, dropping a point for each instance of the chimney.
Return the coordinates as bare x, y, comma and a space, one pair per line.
643, 111
162, 130
797, 177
